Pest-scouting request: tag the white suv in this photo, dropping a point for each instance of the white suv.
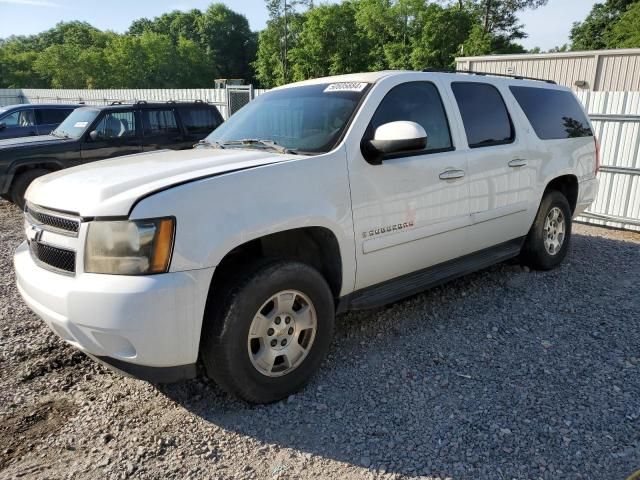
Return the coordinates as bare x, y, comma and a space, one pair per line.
318, 197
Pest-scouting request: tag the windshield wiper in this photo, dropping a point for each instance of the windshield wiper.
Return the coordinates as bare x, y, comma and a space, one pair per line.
260, 142
208, 144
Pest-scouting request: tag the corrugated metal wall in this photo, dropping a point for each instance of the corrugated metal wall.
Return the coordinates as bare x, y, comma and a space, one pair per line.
616, 120
217, 96
602, 70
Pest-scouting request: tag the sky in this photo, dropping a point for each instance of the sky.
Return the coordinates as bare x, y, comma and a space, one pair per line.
547, 26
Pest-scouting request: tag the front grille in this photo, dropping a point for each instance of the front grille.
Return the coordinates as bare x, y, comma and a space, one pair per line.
55, 222
53, 258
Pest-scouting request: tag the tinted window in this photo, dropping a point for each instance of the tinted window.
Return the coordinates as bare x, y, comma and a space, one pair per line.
553, 114
46, 116
19, 118
159, 122
117, 125
417, 102
484, 114
199, 120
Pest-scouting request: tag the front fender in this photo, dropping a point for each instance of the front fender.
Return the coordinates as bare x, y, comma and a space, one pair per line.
217, 214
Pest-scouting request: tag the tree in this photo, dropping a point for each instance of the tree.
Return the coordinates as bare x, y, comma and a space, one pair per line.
625, 33
593, 33
228, 41
328, 44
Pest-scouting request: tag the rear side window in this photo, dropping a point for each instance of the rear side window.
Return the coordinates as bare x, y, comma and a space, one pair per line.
484, 114
159, 122
417, 102
47, 116
553, 114
199, 120
19, 118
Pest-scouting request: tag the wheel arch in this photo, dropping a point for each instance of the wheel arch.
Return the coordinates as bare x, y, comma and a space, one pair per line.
316, 246
568, 186
21, 167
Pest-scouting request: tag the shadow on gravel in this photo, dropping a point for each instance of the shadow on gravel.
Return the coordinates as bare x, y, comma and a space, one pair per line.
504, 373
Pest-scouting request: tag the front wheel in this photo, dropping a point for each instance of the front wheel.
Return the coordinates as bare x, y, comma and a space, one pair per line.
265, 337
548, 240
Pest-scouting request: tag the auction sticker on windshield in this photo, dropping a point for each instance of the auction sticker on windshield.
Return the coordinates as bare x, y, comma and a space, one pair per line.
346, 87
80, 124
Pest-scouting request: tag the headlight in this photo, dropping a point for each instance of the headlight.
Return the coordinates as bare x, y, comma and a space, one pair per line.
129, 247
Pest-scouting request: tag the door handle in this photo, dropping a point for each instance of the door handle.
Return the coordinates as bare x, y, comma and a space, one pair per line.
517, 162
451, 174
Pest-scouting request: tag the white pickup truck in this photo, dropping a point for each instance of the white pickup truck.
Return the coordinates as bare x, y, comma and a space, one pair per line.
318, 197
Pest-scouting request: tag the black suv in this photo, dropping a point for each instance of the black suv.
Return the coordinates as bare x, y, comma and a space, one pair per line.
101, 132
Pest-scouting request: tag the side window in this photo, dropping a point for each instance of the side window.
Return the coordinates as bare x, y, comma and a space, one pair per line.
199, 120
46, 116
553, 114
20, 118
417, 102
484, 114
159, 122
117, 125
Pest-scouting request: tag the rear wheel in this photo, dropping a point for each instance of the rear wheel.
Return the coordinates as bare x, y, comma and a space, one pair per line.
548, 240
265, 337
22, 182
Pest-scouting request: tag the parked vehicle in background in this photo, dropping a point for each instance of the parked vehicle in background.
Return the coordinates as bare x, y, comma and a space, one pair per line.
28, 120
329, 195
98, 132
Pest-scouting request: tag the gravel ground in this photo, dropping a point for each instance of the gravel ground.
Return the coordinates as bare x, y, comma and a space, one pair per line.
504, 374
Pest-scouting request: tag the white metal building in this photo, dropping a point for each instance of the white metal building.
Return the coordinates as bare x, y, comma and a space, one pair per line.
608, 84
599, 70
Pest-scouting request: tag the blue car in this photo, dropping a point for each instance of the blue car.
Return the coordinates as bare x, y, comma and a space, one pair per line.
32, 119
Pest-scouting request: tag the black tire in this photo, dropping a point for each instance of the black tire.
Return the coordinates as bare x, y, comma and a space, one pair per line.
228, 317
534, 253
22, 182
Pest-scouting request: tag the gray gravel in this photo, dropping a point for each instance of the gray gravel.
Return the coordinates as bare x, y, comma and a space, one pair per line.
505, 374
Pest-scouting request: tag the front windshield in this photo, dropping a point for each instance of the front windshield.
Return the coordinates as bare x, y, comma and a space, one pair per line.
308, 119
76, 123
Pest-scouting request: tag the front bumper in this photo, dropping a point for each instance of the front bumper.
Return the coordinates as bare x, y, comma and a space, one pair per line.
145, 326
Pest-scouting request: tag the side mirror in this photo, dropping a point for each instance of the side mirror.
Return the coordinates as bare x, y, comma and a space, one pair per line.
394, 138
3, 125
93, 135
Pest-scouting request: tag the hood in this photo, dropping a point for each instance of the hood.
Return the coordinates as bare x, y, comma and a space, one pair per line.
111, 187
31, 141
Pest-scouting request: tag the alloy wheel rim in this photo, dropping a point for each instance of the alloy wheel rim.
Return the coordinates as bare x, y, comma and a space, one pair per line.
282, 333
554, 231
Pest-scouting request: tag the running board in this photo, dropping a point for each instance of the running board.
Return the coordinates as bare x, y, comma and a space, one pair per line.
416, 282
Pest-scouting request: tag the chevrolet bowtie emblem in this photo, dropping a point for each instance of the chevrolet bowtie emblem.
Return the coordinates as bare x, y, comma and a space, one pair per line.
34, 233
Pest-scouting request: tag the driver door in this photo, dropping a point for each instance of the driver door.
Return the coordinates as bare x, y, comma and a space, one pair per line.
411, 211
117, 134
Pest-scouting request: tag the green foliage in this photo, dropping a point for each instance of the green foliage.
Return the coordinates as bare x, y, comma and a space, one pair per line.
626, 32
599, 30
177, 49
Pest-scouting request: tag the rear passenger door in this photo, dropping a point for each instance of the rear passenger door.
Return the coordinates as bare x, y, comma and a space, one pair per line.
47, 119
161, 129
501, 183
199, 122
117, 134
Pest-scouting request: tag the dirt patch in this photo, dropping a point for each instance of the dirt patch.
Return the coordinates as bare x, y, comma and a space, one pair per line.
21, 430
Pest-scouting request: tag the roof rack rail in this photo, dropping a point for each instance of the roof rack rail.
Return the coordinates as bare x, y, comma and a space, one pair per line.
472, 72
141, 102
116, 102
